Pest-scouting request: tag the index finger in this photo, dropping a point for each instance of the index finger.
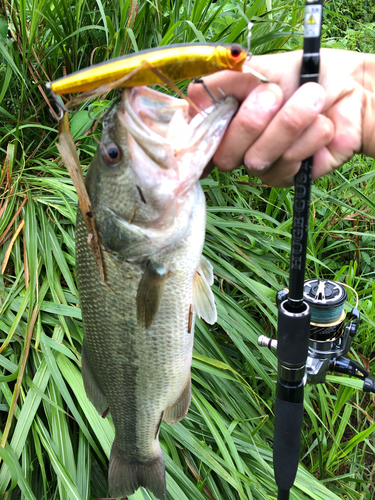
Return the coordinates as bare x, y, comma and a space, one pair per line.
229, 83
282, 69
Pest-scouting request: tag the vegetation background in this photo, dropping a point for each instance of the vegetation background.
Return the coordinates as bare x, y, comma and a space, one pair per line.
53, 444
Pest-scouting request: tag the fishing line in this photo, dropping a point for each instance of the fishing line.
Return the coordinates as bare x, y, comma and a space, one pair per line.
249, 28
364, 66
326, 300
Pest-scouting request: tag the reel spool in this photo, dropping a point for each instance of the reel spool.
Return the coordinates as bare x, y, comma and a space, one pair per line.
330, 335
326, 300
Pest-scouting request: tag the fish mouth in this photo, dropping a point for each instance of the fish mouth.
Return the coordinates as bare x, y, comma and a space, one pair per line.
153, 112
163, 129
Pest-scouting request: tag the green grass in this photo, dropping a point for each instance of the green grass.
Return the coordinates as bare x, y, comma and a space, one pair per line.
54, 445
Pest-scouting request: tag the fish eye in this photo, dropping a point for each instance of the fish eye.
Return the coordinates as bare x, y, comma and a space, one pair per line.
111, 153
235, 50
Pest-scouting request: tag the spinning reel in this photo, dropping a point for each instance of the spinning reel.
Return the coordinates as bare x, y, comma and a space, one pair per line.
331, 333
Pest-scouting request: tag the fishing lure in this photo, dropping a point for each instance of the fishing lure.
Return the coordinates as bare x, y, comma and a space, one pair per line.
176, 62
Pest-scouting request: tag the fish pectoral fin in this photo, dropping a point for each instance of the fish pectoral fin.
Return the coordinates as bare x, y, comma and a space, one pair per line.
92, 388
125, 476
150, 292
179, 409
204, 301
207, 270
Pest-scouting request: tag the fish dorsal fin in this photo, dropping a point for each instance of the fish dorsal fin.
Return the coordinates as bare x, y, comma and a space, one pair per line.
204, 302
149, 293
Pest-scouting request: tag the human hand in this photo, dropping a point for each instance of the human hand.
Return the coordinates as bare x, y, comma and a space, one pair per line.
279, 124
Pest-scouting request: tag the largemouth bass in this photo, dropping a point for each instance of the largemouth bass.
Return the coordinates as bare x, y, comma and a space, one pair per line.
139, 324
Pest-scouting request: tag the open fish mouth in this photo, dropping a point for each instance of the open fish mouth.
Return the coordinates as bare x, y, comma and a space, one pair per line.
162, 127
153, 111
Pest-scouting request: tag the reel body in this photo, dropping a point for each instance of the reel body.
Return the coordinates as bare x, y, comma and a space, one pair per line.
331, 333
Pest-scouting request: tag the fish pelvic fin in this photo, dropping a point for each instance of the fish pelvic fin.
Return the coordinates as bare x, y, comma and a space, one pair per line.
92, 388
204, 301
125, 476
149, 294
179, 409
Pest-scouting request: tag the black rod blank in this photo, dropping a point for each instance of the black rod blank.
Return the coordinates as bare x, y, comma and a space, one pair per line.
294, 313
301, 208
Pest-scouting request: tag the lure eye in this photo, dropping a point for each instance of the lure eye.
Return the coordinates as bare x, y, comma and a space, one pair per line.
111, 153
236, 50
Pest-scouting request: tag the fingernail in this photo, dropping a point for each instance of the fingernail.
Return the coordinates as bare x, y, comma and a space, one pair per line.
310, 95
265, 99
256, 166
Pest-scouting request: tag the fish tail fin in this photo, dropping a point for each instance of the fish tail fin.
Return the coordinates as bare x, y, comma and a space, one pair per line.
125, 477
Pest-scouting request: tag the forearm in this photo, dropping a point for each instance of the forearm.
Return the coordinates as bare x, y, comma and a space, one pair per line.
367, 68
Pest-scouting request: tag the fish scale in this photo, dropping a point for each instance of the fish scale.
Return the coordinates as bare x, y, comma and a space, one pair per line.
138, 326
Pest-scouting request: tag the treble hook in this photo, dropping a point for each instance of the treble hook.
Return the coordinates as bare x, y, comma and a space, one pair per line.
57, 118
62, 109
113, 104
104, 115
202, 82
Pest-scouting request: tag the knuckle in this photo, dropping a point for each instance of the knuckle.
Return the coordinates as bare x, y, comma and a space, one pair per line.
326, 128
224, 163
250, 122
291, 121
291, 155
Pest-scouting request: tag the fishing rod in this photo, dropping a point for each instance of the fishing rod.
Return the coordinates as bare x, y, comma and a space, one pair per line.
293, 327
312, 331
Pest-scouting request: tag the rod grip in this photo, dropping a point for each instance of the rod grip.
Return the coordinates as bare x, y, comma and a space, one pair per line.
293, 330
292, 350
287, 440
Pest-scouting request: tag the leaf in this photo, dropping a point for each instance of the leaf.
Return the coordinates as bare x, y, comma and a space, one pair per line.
18, 477
3, 29
69, 155
25, 419
60, 470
